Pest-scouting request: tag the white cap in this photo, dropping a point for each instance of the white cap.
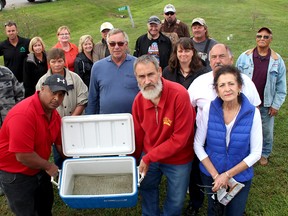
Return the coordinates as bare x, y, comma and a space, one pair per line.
169, 8
199, 20
106, 25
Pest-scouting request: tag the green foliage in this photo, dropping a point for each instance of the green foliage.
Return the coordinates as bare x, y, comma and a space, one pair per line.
241, 18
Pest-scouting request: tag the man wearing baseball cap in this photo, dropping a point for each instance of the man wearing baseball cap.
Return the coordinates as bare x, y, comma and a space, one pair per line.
201, 39
154, 43
267, 70
26, 138
171, 24
100, 49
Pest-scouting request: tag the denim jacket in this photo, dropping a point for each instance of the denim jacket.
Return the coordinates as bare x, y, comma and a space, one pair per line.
275, 88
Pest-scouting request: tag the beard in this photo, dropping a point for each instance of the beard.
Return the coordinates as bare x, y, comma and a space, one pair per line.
152, 93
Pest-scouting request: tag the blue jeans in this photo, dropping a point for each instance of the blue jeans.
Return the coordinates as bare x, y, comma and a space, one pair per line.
28, 195
235, 207
177, 183
268, 128
58, 160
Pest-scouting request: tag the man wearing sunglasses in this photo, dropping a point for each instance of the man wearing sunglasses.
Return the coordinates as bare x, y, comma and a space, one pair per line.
171, 24
267, 70
113, 85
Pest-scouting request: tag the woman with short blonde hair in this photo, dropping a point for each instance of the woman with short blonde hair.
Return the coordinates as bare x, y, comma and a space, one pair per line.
35, 65
70, 49
84, 60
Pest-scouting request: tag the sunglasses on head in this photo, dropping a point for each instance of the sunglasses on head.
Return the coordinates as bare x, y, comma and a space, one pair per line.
169, 13
120, 44
266, 37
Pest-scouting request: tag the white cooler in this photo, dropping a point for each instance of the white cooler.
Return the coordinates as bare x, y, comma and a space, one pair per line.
103, 177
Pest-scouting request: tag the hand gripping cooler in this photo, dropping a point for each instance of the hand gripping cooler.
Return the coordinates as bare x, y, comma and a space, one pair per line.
104, 177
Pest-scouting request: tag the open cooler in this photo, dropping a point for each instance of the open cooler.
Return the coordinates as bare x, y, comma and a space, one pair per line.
98, 175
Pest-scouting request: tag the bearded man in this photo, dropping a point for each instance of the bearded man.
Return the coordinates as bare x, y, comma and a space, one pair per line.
164, 128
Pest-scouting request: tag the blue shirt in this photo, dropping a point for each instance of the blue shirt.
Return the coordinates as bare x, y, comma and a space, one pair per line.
112, 88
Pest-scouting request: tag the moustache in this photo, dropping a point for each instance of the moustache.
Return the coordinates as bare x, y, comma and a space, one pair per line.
218, 65
148, 85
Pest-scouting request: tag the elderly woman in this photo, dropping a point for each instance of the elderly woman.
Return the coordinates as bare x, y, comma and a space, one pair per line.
228, 140
184, 64
84, 60
70, 49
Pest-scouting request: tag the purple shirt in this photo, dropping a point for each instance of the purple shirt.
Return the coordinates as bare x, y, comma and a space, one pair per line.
259, 78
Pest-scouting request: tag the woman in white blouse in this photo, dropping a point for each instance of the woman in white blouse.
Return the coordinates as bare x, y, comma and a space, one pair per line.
228, 140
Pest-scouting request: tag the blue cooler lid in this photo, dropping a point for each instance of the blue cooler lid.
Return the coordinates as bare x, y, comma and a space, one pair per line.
98, 135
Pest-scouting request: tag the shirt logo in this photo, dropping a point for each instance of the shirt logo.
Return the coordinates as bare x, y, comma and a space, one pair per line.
22, 49
167, 121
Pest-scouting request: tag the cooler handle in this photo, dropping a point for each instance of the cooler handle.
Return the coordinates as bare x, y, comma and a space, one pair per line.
140, 177
53, 181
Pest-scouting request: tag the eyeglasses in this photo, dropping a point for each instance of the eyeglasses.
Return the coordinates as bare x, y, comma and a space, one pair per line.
169, 13
266, 37
120, 44
64, 34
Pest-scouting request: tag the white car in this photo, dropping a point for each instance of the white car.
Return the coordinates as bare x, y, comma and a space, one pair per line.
2, 4
42, 0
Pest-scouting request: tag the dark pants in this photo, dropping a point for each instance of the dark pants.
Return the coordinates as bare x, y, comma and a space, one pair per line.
58, 160
195, 193
235, 207
28, 195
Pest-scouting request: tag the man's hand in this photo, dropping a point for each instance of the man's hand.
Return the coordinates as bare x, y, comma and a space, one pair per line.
272, 112
52, 170
143, 168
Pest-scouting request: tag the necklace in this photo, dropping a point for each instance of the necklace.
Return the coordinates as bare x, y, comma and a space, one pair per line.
184, 73
230, 114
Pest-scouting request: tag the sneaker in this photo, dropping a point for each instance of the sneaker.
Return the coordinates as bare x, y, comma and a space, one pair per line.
263, 161
191, 211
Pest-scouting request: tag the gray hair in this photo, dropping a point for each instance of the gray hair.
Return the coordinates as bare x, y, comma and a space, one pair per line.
117, 31
145, 59
228, 50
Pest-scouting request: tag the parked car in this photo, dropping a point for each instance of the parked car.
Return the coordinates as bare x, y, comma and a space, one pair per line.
2, 4
42, 0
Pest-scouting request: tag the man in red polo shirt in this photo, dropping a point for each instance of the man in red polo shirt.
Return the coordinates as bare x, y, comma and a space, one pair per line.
26, 138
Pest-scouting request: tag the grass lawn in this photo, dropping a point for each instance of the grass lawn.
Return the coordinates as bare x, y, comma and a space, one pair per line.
238, 18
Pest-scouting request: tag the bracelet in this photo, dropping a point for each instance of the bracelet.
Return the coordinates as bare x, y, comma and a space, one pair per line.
215, 176
227, 174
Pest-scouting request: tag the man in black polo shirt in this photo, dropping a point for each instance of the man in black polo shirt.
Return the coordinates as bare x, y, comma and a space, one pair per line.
14, 49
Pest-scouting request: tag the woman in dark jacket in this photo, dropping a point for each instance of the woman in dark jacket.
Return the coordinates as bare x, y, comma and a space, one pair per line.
184, 64
184, 67
35, 65
83, 62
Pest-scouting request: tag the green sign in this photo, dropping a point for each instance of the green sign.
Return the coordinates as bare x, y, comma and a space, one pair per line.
122, 8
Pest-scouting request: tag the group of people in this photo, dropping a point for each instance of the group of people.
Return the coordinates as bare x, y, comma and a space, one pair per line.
183, 92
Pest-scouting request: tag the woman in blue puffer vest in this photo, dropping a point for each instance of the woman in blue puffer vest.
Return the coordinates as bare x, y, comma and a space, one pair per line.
228, 140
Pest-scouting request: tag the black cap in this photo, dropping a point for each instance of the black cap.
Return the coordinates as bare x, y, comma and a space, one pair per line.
265, 28
56, 82
154, 19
